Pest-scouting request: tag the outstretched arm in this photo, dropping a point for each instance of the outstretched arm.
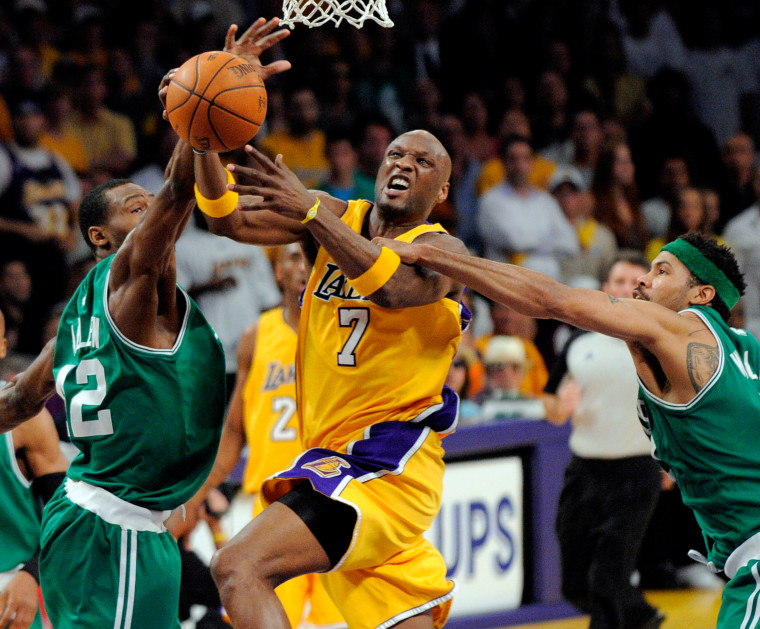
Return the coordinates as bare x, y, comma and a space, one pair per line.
25, 395
537, 295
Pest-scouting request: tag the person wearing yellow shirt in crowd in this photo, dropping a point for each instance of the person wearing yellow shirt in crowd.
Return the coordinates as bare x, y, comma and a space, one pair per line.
302, 145
598, 246
515, 122
508, 322
58, 135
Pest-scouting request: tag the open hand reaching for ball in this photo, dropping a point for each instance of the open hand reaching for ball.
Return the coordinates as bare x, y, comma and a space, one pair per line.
260, 36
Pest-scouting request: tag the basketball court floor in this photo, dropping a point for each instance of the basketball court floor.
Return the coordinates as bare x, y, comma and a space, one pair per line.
683, 609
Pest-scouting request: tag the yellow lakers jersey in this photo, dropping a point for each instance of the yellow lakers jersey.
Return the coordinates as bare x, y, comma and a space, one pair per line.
360, 364
270, 419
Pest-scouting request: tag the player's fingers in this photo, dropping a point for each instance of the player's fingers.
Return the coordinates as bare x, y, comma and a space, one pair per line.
260, 159
252, 32
270, 40
229, 39
253, 174
265, 28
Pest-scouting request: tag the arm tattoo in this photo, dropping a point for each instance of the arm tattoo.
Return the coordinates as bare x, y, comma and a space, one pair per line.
613, 300
701, 363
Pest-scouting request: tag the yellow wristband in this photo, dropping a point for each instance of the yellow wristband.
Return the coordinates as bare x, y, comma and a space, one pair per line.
220, 537
312, 212
378, 274
218, 208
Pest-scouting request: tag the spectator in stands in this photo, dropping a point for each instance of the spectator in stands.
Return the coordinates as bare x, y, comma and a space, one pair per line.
612, 482
86, 41
38, 196
479, 144
302, 144
341, 154
462, 201
736, 188
374, 134
383, 78
231, 282
338, 105
21, 324
689, 215
657, 211
552, 119
108, 137
26, 79
521, 224
424, 111
58, 135
581, 150
458, 379
508, 322
597, 242
742, 234
713, 214
506, 365
515, 122
616, 198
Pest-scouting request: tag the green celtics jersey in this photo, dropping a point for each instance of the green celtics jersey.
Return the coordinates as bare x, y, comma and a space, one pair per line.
147, 421
712, 444
20, 511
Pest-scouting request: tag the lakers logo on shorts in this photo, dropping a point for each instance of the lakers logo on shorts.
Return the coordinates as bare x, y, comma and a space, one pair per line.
327, 467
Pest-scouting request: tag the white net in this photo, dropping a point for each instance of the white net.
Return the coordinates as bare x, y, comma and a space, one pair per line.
318, 12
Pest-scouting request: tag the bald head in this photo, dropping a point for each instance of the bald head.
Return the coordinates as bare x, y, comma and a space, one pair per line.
435, 148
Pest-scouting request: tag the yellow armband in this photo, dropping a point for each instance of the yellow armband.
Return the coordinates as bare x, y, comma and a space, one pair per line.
217, 208
378, 274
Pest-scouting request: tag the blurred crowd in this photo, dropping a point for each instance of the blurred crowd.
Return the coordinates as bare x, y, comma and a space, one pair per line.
576, 130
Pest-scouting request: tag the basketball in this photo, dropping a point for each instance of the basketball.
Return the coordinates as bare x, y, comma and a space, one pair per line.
216, 101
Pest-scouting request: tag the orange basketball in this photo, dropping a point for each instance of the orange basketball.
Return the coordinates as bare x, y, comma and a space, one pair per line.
216, 101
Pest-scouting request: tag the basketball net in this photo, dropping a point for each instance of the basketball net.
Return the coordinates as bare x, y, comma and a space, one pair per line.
318, 12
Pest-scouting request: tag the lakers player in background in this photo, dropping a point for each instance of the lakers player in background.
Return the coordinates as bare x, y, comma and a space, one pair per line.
32, 467
263, 413
375, 342
144, 411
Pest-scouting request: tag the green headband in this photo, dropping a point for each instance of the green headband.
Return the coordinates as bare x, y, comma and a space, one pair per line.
704, 270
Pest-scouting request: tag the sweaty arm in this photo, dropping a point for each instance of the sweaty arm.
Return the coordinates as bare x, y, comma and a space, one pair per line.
25, 395
537, 295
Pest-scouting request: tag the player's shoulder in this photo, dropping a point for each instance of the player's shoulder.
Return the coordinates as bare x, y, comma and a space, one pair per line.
443, 240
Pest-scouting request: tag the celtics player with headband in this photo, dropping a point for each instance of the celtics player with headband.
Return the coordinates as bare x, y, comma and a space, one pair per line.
375, 343
699, 393
142, 376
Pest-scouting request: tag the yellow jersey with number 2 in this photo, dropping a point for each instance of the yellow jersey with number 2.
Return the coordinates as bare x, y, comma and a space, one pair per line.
270, 418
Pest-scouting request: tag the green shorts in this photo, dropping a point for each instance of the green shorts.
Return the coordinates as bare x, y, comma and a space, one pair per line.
740, 607
96, 574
